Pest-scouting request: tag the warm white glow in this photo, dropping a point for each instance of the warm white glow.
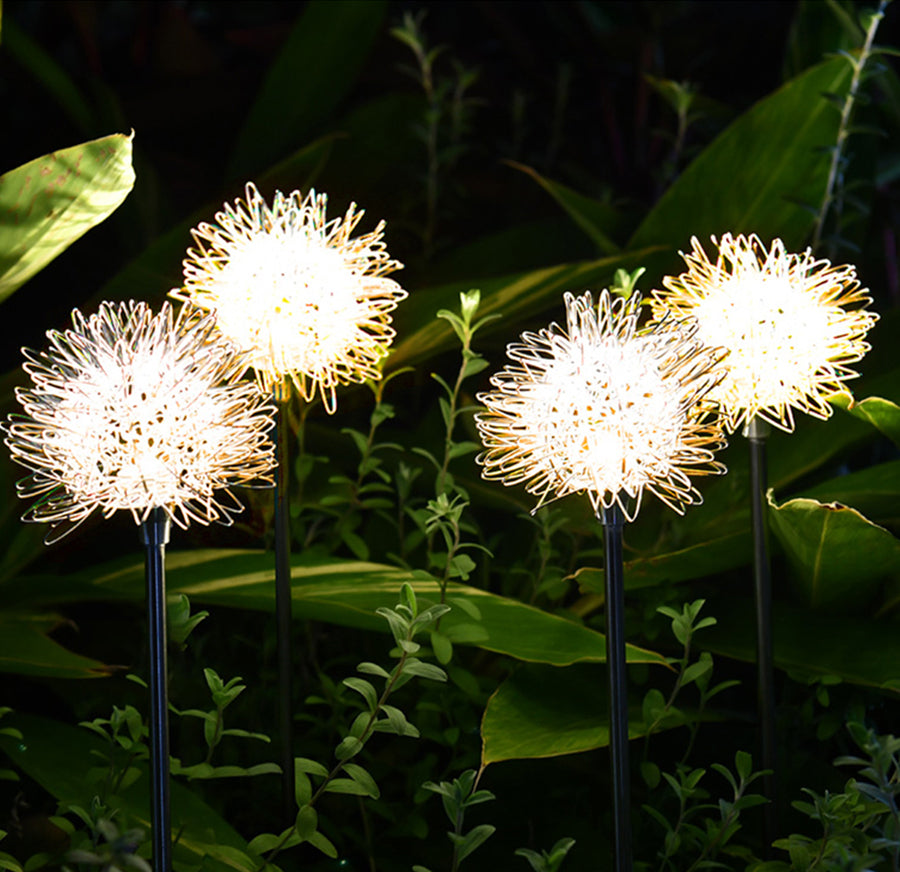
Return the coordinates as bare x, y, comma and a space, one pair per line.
792, 324
130, 410
603, 408
305, 300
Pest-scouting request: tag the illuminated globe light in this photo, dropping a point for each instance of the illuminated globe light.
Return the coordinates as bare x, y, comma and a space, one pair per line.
792, 323
131, 410
604, 409
303, 299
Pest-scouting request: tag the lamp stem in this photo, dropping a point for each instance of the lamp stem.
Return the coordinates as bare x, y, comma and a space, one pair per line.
618, 696
154, 536
283, 610
757, 433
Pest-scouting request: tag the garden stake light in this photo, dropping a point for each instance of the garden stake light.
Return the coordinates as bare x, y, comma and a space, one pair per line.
309, 304
792, 324
607, 409
145, 413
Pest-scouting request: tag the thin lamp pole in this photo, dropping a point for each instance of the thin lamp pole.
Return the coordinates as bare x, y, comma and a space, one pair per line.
283, 607
757, 433
613, 521
155, 536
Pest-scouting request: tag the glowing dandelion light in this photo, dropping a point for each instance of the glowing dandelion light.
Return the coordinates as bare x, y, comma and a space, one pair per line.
610, 410
305, 299
133, 411
603, 408
144, 413
792, 323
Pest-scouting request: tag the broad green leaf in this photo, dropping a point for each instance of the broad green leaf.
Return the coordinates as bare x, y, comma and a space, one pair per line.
592, 216
26, 649
48, 203
755, 175
875, 491
315, 69
344, 592
856, 649
695, 561
514, 297
880, 413
542, 711
838, 557
58, 757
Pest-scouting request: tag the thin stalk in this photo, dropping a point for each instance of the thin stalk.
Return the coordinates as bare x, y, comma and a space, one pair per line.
844, 126
155, 535
283, 610
757, 433
618, 697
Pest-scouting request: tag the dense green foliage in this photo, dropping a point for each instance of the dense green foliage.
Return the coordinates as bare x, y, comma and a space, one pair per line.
514, 156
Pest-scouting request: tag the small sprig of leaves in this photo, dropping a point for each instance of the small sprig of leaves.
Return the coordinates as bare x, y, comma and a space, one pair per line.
547, 861
703, 830
371, 489
406, 622
661, 713
447, 104
458, 796
214, 730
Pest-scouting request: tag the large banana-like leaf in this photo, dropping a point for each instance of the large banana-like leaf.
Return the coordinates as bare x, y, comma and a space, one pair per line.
838, 557
762, 173
26, 649
48, 203
344, 592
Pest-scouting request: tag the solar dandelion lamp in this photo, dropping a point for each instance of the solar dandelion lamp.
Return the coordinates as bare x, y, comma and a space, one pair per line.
145, 413
309, 303
792, 324
605, 408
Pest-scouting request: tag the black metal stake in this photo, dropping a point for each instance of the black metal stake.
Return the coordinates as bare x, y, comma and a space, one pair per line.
757, 433
618, 697
155, 535
283, 612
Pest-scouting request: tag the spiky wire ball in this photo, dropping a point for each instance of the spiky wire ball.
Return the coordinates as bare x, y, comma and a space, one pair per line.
305, 299
603, 408
792, 324
131, 410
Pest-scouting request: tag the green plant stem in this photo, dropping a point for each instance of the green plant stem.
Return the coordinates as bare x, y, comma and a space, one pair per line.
339, 766
844, 126
217, 735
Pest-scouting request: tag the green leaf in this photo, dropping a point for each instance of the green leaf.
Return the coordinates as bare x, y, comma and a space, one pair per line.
346, 785
839, 557
472, 840
349, 747
48, 203
362, 687
880, 413
307, 822
311, 767
314, 71
26, 649
542, 711
590, 215
363, 779
752, 176
343, 592
858, 650
875, 491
